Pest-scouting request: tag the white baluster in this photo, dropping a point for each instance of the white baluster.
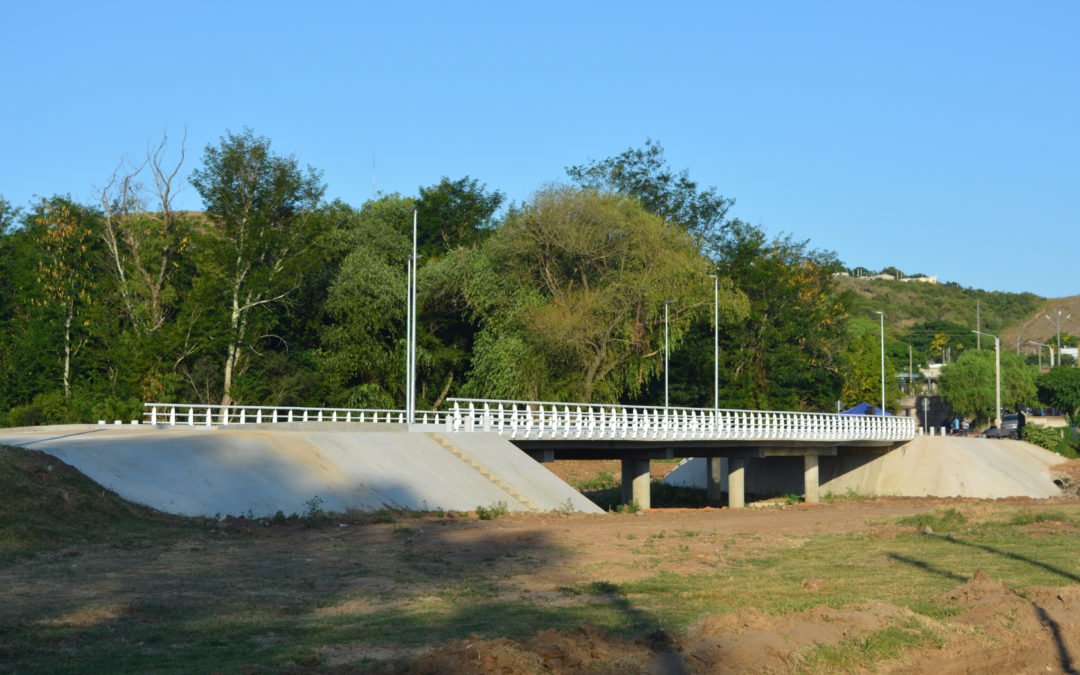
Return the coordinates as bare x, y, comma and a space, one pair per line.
172, 416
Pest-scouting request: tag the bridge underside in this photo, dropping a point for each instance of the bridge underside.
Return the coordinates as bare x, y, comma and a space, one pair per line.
636, 455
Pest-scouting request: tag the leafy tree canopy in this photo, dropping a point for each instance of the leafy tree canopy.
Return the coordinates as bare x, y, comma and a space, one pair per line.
570, 293
968, 384
783, 355
454, 213
644, 174
1060, 388
860, 367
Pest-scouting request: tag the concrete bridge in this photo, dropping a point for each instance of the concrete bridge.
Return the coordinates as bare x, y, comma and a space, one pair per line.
635, 435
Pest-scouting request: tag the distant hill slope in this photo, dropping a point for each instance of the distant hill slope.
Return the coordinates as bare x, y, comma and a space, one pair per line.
908, 303
1036, 326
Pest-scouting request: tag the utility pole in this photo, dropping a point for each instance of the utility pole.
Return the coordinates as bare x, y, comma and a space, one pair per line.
978, 325
910, 372
997, 379
882, 317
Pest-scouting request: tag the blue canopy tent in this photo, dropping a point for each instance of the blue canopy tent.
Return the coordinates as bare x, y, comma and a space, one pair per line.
864, 409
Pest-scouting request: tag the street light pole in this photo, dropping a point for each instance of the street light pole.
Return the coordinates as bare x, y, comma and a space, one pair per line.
412, 364
1057, 323
716, 340
410, 328
408, 331
997, 376
882, 316
666, 304
1040, 353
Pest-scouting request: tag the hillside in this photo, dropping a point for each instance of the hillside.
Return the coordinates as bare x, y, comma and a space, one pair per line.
909, 303
1038, 328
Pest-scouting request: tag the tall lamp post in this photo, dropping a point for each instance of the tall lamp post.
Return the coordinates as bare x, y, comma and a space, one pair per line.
882, 316
1040, 353
667, 303
716, 340
410, 330
997, 376
1057, 323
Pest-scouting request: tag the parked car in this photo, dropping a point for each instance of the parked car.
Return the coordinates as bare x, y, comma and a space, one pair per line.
1010, 428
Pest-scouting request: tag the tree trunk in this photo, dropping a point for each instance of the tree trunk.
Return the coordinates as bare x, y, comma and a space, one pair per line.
234, 347
67, 354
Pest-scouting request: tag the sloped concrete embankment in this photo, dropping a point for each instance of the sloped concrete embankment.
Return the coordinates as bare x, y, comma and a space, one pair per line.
925, 467
263, 469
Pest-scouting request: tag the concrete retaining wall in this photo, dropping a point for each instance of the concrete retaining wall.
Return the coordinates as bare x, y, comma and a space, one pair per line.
262, 469
925, 467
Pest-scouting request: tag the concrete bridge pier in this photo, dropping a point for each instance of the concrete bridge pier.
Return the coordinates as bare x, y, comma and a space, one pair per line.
714, 479
811, 485
736, 482
635, 482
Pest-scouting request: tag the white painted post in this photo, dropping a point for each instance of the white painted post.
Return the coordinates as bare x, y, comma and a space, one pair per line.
242, 420
172, 416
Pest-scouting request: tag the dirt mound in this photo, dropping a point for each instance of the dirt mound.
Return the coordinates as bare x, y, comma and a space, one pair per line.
744, 641
995, 630
45, 502
1002, 630
589, 649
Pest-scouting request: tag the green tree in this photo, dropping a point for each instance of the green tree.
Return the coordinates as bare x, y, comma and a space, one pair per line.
261, 233
454, 213
783, 355
570, 295
968, 385
455, 216
65, 275
644, 174
860, 367
1059, 388
362, 352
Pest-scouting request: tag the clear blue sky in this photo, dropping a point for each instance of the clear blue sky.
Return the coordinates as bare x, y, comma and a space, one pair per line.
939, 137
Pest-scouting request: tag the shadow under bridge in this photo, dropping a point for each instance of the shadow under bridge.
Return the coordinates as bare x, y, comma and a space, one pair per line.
635, 435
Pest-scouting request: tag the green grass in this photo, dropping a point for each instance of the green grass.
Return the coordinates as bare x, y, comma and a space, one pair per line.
155, 593
947, 520
45, 505
862, 653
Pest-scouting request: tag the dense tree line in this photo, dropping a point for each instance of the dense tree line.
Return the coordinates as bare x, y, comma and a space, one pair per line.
275, 295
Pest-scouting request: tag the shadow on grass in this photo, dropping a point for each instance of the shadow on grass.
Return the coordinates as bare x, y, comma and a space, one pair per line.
275, 596
1064, 657
1007, 554
927, 567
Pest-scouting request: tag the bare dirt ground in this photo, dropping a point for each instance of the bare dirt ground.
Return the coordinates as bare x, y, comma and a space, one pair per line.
995, 629
358, 570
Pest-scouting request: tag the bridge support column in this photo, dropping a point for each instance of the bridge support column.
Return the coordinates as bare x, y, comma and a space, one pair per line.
810, 478
736, 486
714, 476
635, 482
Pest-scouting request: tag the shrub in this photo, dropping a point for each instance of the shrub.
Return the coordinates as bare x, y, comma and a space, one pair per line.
492, 512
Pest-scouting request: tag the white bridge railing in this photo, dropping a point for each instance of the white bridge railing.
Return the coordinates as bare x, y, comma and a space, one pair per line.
542, 420
535, 420
209, 415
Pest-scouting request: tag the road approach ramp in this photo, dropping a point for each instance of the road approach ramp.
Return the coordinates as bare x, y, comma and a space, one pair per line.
294, 468
929, 466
